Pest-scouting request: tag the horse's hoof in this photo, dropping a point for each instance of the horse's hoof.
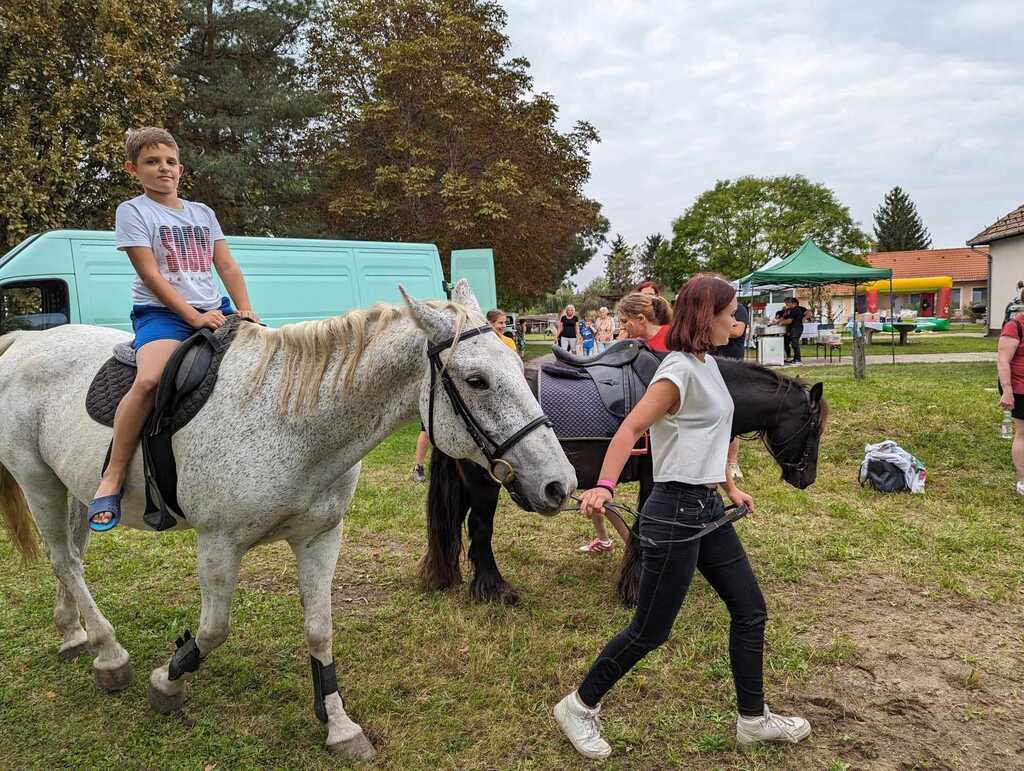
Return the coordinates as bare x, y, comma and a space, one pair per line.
116, 679
74, 650
356, 748
164, 704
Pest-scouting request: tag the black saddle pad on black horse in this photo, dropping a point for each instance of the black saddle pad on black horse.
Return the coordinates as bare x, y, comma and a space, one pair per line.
185, 385
587, 398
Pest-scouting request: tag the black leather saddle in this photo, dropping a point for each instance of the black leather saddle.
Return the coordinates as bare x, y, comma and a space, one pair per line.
587, 397
185, 385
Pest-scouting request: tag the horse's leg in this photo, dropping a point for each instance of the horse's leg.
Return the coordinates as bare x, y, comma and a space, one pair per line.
219, 560
487, 584
47, 498
65, 612
317, 558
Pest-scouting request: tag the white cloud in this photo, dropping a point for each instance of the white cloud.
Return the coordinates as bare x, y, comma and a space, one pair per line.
860, 97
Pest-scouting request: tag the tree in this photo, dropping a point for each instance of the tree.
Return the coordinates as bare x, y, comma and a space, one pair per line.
245, 108
77, 74
646, 262
433, 133
898, 226
618, 269
737, 226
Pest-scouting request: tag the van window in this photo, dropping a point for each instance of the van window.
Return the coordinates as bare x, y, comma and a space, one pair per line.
33, 305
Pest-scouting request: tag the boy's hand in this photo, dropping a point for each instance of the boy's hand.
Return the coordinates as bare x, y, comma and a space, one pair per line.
211, 320
247, 313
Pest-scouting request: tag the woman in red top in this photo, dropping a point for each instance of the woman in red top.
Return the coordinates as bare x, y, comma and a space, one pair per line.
1010, 366
645, 317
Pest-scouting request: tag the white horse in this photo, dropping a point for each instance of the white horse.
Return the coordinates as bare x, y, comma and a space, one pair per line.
274, 454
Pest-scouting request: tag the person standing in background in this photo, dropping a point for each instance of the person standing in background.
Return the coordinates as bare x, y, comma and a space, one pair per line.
793, 319
736, 349
566, 329
1010, 367
605, 329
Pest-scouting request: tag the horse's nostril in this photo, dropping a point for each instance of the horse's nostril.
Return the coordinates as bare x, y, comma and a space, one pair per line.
555, 492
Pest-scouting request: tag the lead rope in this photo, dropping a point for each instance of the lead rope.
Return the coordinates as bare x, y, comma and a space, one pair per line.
732, 513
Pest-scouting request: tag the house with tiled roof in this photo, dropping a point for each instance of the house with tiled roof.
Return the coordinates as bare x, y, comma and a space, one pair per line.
968, 267
1005, 241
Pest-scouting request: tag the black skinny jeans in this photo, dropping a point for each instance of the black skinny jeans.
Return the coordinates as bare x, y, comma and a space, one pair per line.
667, 570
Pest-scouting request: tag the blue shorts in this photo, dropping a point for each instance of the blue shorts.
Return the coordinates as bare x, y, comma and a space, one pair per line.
155, 322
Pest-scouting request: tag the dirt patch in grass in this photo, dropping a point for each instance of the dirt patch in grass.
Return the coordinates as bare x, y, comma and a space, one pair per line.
920, 679
370, 572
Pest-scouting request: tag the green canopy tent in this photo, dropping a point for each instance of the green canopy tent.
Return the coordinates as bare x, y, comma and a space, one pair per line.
810, 266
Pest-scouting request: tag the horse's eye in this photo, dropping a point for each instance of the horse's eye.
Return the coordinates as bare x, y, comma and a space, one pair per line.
477, 382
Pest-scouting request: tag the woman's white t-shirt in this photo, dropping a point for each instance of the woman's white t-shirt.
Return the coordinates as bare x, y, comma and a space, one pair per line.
182, 241
692, 445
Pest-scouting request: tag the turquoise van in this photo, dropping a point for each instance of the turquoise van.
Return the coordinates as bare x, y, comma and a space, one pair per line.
80, 277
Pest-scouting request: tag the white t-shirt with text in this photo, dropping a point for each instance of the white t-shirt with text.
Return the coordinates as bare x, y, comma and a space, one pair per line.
182, 242
692, 445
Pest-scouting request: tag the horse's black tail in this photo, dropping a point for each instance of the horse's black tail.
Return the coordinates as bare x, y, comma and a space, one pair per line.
628, 586
447, 504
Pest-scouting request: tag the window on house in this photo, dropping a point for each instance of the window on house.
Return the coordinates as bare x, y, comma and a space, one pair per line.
914, 302
978, 294
954, 300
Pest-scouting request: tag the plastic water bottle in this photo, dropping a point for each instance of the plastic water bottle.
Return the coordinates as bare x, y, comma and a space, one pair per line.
1006, 427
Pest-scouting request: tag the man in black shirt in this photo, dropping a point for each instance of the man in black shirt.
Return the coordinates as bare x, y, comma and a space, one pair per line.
793, 320
735, 349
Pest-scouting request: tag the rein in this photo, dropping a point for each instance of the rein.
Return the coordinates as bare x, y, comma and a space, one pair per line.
732, 513
500, 470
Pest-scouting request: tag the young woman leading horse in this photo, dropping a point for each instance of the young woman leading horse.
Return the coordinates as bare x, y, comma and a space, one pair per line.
688, 410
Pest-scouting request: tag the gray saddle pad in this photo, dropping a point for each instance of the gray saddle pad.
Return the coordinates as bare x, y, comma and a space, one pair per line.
574, 405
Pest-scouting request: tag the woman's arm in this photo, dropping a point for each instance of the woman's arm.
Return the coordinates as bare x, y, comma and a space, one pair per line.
660, 399
1006, 350
231, 275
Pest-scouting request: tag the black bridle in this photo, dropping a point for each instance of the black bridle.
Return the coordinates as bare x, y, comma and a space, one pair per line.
491, 448
811, 424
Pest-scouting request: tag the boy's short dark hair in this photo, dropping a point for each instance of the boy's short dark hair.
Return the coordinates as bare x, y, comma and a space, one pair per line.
790, 300
139, 139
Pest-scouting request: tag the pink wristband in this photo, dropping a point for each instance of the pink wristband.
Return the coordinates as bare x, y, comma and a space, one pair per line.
605, 483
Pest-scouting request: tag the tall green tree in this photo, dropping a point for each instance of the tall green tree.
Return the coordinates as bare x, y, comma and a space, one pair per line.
77, 74
646, 260
619, 267
433, 132
739, 225
898, 226
245, 108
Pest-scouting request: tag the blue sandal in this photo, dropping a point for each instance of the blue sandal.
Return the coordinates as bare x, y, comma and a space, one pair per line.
111, 503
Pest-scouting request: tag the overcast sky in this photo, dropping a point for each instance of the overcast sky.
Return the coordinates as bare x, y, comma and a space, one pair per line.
860, 96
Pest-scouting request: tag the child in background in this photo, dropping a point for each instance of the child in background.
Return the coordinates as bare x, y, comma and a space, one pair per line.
588, 335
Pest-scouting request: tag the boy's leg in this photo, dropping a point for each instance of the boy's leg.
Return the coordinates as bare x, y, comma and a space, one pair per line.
131, 415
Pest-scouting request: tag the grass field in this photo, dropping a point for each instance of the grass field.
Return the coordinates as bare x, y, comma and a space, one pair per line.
932, 342
894, 625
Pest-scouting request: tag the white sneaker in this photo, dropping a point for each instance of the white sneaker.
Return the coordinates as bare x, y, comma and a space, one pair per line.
582, 726
1020, 487
770, 728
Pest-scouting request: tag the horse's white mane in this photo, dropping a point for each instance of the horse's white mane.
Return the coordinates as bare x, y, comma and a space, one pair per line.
309, 347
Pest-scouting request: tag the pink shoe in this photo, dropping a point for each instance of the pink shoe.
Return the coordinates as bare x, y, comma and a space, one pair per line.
597, 546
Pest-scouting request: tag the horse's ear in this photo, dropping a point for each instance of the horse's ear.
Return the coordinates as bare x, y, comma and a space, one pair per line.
816, 391
463, 295
438, 326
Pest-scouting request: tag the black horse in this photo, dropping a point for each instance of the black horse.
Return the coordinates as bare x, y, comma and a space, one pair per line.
785, 413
